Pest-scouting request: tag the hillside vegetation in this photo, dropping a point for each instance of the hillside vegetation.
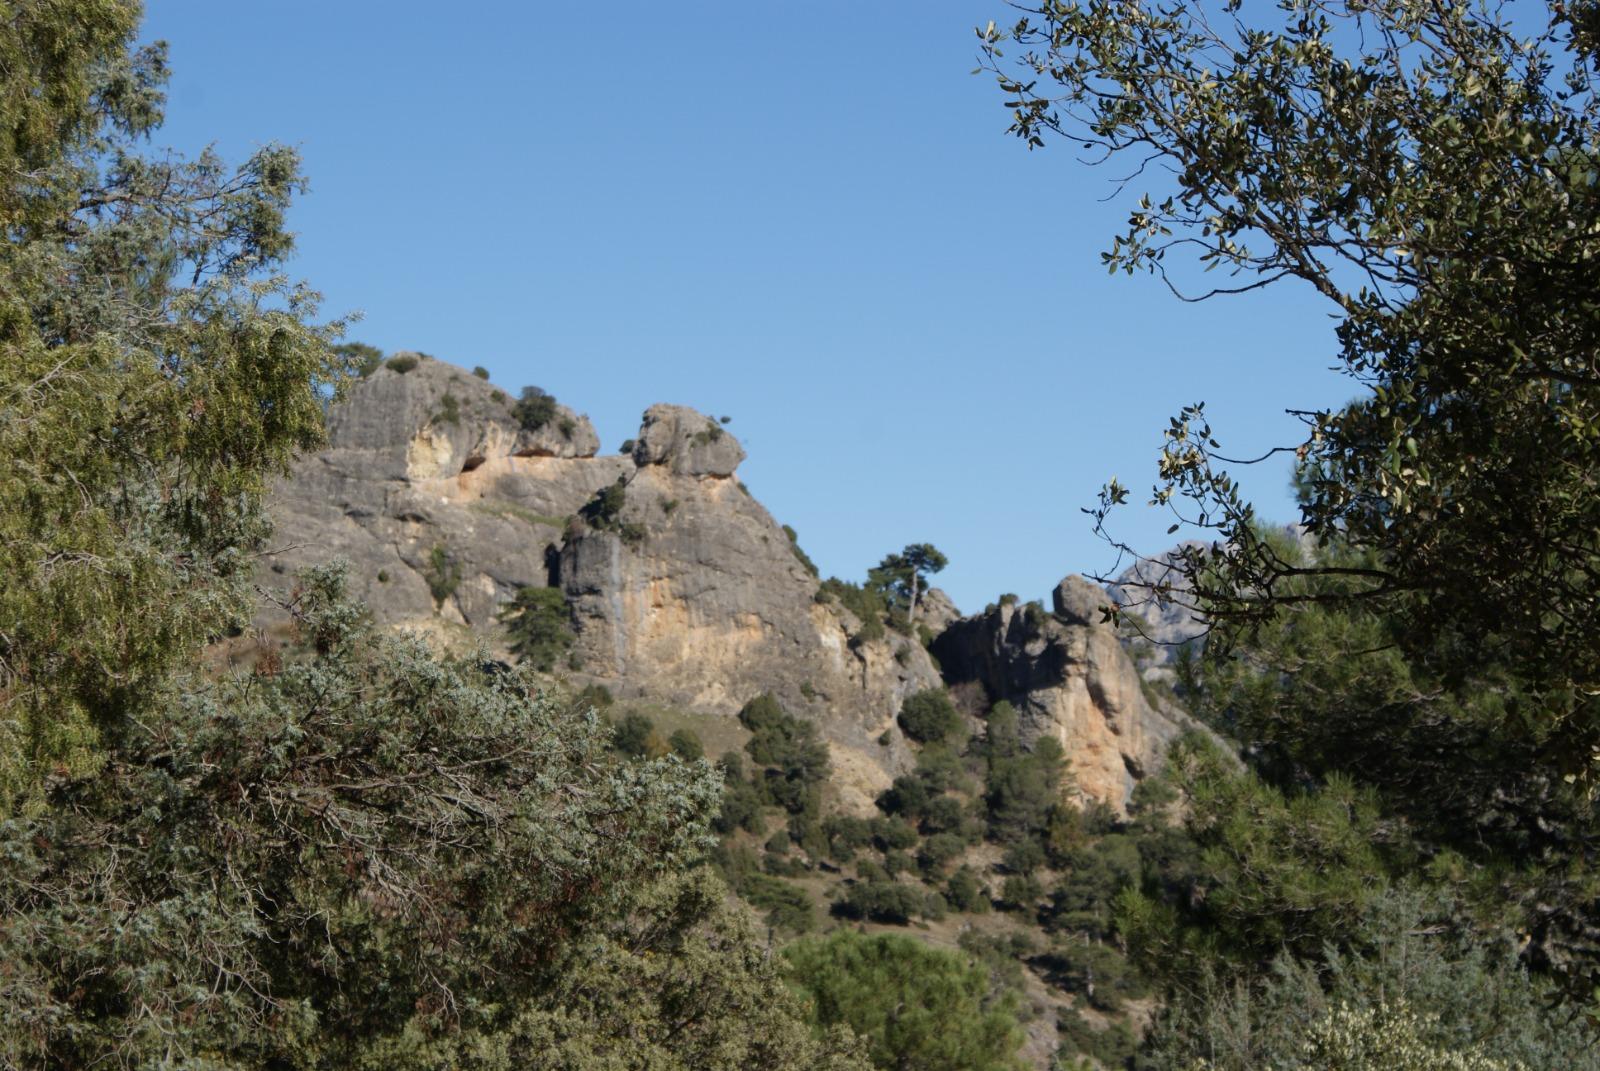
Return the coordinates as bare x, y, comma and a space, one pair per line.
573, 761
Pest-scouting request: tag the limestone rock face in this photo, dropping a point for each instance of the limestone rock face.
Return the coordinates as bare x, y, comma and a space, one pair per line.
437, 420
1078, 602
1069, 677
689, 595
936, 611
711, 606
686, 442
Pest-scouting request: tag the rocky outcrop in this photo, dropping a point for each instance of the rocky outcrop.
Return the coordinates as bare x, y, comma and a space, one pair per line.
682, 589
687, 443
693, 595
1068, 676
935, 611
442, 502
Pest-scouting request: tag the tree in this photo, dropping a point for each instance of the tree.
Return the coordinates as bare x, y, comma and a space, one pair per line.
364, 359
369, 848
538, 625
1430, 171
917, 1006
155, 373
1469, 996
903, 575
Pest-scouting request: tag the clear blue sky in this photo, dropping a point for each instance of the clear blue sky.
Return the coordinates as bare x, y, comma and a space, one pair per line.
806, 216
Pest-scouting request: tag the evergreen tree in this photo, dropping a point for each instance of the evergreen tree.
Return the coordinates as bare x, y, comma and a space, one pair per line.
157, 373
902, 576
539, 626
915, 1005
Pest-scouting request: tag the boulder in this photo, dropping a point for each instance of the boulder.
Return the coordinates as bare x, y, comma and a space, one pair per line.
686, 442
1076, 601
936, 611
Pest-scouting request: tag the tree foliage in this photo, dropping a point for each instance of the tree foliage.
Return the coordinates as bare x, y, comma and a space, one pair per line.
371, 847
1430, 171
157, 373
903, 576
929, 716
917, 1006
538, 625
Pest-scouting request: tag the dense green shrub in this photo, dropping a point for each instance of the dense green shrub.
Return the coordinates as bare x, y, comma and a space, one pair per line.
919, 1007
944, 814
793, 758
846, 836
685, 743
907, 797
788, 907
635, 736
937, 851
534, 409
1022, 789
480, 371
1020, 892
881, 901
929, 716
966, 892
806, 830
741, 808
468, 804
1477, 995
401, 364
893, 834
604, 512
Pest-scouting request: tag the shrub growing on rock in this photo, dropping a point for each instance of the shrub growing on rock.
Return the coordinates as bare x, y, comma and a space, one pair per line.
929, 716
534, 409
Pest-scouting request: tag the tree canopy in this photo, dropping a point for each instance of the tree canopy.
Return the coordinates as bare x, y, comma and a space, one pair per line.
1429, 169
917, 1006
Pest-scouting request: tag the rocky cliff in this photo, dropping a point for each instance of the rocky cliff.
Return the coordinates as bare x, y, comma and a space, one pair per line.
447, 499
683, 589
1069, 677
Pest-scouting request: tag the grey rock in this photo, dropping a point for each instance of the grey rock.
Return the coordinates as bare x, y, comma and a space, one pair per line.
1159, 619
1069, 678
687, 442
936, 611
439, 420
1078, 602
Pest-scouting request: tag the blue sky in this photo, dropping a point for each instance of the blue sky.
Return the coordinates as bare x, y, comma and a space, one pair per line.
807, 217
